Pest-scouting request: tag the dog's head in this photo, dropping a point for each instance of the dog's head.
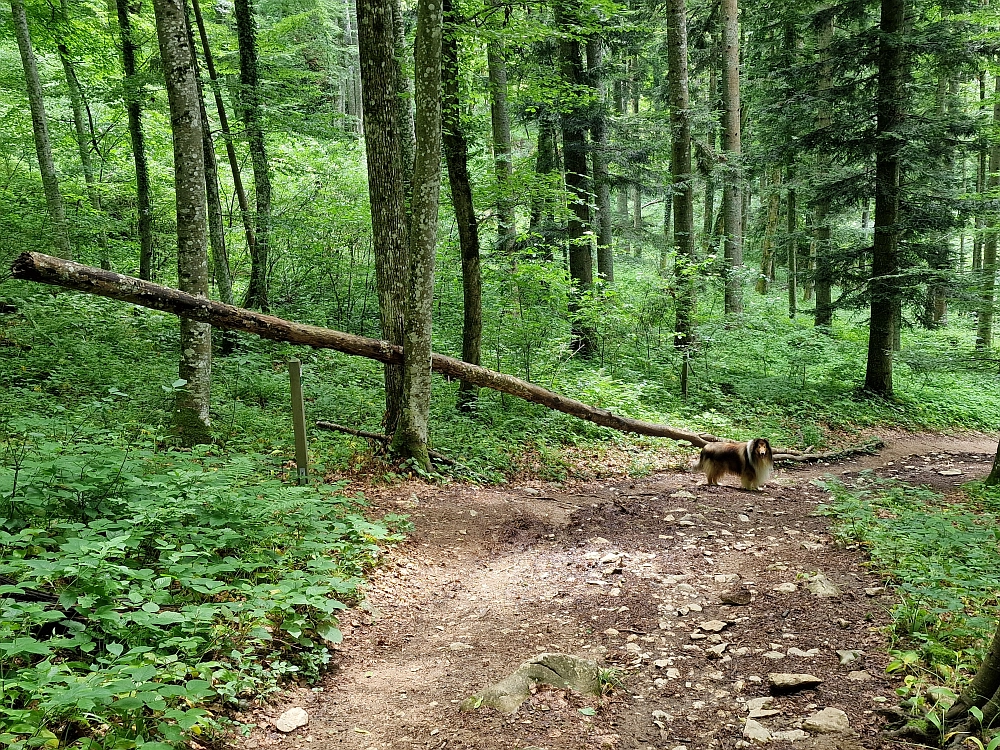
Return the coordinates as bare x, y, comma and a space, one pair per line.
760, 451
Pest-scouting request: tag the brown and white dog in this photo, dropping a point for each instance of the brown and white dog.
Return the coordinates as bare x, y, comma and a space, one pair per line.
751, 461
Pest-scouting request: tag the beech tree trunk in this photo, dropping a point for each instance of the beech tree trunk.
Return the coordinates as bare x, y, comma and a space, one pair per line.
216, 223
40, 131
404, 99
792, 241
191, 416
732, 196
581, 264
502, 160
132, 88
379, 68
456, 152
892, 72
680, 171
823, 277
542, 226
410, 439
227, 136
70, 275
599, 159
252, 110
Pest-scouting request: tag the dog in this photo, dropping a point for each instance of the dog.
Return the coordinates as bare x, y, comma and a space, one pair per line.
751, 461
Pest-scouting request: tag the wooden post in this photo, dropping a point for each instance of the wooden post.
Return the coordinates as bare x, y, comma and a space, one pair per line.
299, 420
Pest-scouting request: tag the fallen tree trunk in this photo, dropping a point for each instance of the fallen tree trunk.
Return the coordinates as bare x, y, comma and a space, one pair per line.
49, 270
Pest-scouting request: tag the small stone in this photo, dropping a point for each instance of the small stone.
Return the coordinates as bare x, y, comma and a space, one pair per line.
842, 623
611, 632
459, 646
755, 704
743, 518
847, 656
786, 588
694, 607
828, 721
773, 655
951, 473
683, 494
793, 651
291, 720
763, 713
673, 673
874, 590
822, 586
715, 652
789, 682
755, 731
662, 663
790, 735
727, 577
737, 597
659, 682
662, 716
713, 626
860, 676
633, 648
531, 491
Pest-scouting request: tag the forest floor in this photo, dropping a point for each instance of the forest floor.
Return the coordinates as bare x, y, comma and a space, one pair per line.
622, 571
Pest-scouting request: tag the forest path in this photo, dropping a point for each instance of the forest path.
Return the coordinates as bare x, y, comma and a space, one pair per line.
621, 571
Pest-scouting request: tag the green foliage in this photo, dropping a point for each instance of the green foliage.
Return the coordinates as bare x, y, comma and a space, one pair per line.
941, 555
140, 590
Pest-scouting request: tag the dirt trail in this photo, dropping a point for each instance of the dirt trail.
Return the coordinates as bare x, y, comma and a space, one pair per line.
623, 572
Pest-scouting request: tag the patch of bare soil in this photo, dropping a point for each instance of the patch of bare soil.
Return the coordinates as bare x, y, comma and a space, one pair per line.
632, 574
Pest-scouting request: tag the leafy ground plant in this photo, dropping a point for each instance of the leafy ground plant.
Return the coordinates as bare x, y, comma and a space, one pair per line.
941, 554
141, 591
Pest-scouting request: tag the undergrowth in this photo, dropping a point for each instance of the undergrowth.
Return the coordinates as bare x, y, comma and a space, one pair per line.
941, 556
141, 590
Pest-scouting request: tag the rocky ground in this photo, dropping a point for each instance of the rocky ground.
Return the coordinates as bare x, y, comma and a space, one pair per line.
689, 597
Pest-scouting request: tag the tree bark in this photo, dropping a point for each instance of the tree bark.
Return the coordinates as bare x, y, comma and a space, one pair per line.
541, 226
404, 100
252, 110
581, 268
770, 232
80, 130
599, 158
732, 196
227, 136
503, 165
376, 48
680, 171
410, 438
49, 270
823, 276
132, 88
216, 223
456, 152
40, 131
984, 327
191, 416
792, 240
892, 71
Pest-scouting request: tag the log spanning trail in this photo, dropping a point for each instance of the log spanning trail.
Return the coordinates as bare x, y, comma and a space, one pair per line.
78, 277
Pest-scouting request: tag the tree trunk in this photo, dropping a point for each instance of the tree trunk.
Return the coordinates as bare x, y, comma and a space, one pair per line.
352, 92
216, 223
977, 238
984, 690
667, 236
823, 276
892, 72
581, 269
503, 165
227, 136
732, 196
680, 171
770, 232
792, 241
404, 100
132, 88
984, 327
542, 226
69, 275
599, 158
456, 152
637, 219
40, 131
82, 136
376, 48
191, 415
252, 110
410, 438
